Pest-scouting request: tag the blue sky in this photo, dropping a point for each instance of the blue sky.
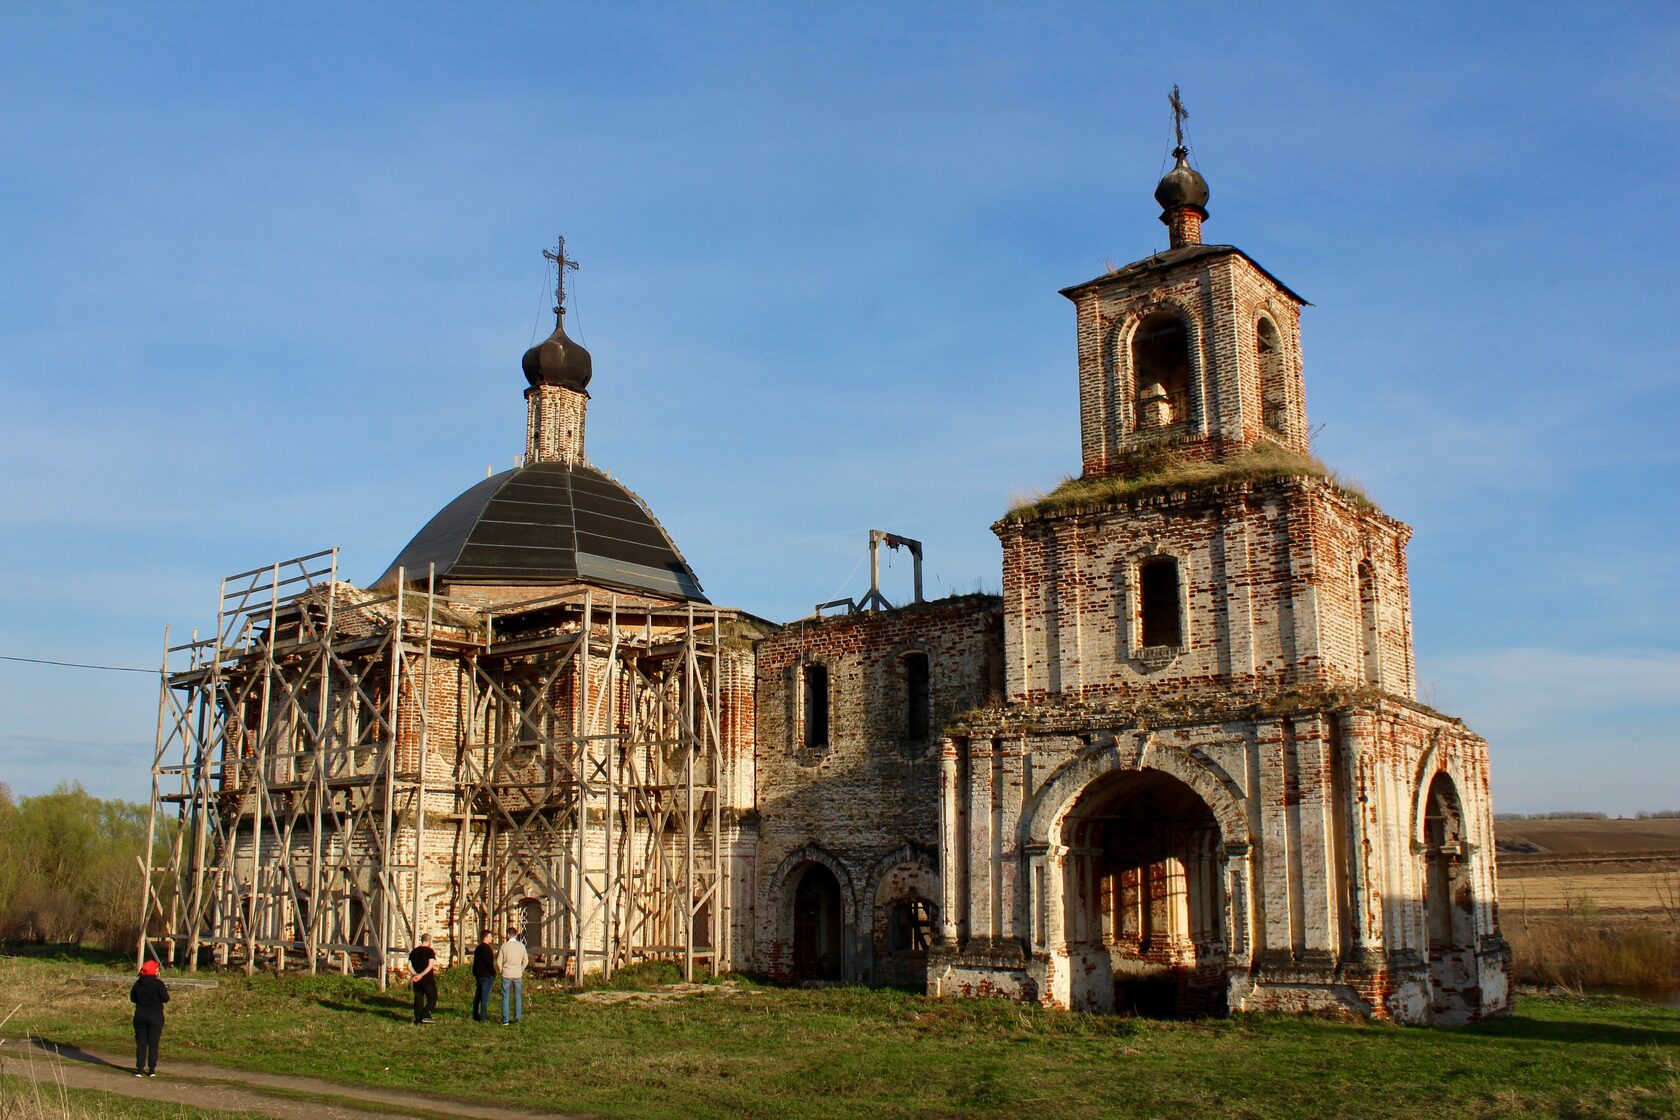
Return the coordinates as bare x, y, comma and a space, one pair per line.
269, 273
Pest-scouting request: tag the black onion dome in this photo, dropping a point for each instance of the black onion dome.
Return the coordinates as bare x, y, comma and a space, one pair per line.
548, 523
1182, 186
557, 360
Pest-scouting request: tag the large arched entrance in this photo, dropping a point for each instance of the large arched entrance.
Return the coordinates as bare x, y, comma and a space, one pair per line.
817, 950
1144, 893
1449, 908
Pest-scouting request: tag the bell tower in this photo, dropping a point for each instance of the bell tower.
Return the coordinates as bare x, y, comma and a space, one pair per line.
1196, 348
1209, 770
1203, 548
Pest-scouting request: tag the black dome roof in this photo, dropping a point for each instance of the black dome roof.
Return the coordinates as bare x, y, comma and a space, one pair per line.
549, 523
557, 360
1182, 186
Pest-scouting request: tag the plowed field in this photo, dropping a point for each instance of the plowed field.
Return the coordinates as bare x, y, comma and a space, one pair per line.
1609, 866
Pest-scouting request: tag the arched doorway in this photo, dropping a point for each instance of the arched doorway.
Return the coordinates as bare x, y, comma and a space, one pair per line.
1144, 894
817, 950
1449, 908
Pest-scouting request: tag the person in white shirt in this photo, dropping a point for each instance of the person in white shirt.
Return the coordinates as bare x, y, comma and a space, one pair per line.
511, 960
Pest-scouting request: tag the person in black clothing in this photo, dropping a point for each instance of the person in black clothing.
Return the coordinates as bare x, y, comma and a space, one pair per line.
484, 977
422, 966
148, 997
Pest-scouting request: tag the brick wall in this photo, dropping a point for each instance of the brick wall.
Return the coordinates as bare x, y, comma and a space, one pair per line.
866, 804
1269, 595
1320, 892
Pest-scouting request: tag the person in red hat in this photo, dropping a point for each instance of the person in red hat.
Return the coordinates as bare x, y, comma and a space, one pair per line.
148, 996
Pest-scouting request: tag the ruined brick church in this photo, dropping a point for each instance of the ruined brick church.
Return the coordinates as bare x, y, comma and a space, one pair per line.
1176, 768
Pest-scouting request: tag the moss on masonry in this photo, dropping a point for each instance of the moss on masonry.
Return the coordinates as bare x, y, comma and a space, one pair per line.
1159, 468
1147, 713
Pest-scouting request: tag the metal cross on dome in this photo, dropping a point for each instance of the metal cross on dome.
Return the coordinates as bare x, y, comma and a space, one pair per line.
562, 262
1179, 115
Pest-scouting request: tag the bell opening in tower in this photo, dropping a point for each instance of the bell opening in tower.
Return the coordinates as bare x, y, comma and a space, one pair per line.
1160, 372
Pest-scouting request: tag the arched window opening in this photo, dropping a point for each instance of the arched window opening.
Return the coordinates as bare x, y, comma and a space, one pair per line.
1274, 386
814, 704
531, 921
915, 697
909, 926
1372, 656
1162, 623
1160, 372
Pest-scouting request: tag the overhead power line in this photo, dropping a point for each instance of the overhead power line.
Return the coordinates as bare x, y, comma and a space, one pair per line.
77, 664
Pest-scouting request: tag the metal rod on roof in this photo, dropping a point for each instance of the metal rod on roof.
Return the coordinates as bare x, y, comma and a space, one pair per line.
875, 601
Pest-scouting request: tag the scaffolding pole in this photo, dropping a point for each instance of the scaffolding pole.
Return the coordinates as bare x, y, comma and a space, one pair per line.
288, 730
585, 763
595, 777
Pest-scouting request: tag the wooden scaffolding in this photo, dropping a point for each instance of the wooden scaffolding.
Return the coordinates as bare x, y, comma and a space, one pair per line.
348, 771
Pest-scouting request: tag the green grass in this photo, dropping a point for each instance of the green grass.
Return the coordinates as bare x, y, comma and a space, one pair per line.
743, 1050
1158, 469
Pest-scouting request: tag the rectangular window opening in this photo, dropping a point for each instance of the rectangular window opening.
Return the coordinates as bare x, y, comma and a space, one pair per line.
916, 697
815, 679
1158, 590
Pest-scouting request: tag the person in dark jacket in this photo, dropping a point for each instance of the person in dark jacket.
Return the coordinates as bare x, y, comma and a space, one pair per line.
148, 996
484, 977
422, 973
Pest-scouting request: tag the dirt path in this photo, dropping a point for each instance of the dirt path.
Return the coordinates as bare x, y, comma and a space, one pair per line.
235, 1090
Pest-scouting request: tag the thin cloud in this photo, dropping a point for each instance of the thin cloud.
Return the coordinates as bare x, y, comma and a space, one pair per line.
1569, 729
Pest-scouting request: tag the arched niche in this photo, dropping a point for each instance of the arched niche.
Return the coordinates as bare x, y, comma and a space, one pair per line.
1274, 378
1370, 636
1449, 906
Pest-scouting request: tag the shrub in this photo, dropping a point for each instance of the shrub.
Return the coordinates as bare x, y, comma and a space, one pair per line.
1575, 951
69, 868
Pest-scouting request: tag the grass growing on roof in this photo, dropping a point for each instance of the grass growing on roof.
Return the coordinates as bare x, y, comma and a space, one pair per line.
1160, 469
738, 1049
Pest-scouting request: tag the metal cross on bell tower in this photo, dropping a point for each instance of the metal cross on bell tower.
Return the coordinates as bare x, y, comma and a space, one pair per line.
562, 262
